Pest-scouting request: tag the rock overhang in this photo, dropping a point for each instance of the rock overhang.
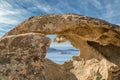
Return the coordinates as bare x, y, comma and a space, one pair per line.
77, 29
95, 38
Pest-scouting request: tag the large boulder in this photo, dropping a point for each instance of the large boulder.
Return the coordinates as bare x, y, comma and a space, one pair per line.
22, 57
25, 44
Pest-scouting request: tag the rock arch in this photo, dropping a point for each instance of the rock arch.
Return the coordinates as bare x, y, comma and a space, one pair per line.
98, 40
81, 31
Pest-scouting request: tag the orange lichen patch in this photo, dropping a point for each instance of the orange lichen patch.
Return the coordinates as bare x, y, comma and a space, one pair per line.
23, 70
36, 63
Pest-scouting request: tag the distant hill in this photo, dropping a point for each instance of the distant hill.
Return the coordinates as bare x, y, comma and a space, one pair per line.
66, 51
52, 50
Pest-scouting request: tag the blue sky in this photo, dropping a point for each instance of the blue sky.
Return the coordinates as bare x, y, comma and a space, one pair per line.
12, 12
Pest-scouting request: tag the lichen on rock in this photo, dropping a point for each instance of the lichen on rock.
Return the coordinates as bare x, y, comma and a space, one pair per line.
97, 40
21, 56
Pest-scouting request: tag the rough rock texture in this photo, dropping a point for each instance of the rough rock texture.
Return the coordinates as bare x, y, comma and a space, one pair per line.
97, 40
25, 44
21, 56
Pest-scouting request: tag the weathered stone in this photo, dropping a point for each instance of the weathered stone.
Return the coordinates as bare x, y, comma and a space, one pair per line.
29, 43
21, 56
60, 23
97, 40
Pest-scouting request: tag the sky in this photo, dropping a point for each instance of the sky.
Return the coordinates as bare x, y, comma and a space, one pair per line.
13, 12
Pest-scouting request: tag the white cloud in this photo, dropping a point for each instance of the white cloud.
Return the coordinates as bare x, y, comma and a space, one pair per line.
12, 15
2, 29
111, 11
97, 4
107, 10
6, 20
44, 8
8, 13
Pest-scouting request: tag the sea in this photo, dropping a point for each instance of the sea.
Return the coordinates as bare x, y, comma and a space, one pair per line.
62, 54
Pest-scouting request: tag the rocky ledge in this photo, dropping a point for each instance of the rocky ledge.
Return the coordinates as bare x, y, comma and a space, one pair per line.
23, 49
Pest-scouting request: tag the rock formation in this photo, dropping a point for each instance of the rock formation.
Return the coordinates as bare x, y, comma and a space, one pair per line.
25, 46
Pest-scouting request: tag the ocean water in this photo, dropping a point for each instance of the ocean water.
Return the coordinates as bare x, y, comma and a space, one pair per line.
59, 57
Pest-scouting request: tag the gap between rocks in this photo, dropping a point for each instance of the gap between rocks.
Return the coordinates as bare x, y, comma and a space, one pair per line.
60, 51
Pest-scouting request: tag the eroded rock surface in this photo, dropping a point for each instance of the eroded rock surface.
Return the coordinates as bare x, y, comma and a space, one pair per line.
21, 56
97, 40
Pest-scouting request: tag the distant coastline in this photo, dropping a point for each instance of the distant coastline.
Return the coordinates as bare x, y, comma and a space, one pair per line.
65, 50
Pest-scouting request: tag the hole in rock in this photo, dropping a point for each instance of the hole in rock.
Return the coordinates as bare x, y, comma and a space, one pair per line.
60, 52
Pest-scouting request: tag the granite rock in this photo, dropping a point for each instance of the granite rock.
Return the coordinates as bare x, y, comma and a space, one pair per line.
22, 56
97, 40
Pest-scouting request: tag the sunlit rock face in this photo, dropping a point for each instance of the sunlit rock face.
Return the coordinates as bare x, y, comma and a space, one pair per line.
97, 40
21, 56
32, 43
